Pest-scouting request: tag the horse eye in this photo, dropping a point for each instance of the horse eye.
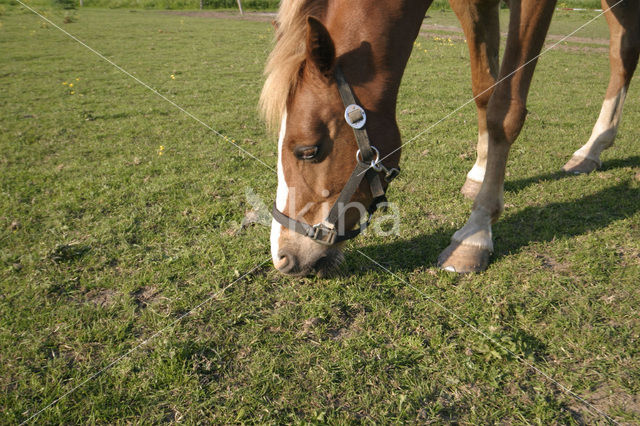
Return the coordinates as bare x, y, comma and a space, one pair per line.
306, 152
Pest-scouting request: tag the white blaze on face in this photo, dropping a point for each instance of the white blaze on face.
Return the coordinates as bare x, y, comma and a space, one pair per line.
281, 195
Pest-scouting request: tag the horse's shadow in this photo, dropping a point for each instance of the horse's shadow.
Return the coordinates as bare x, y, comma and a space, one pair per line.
518, 230
520, 184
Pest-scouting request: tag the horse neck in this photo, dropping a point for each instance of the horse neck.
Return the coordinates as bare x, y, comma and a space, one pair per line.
373, 41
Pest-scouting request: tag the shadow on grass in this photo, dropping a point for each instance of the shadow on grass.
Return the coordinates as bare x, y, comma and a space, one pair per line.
520, 184
517, 230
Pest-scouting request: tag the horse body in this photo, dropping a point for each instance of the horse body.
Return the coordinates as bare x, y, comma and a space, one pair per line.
371, 43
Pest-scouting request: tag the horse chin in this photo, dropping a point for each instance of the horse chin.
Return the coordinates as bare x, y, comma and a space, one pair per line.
328, 265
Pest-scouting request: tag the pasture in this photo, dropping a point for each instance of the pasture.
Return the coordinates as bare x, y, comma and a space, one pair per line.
120, 214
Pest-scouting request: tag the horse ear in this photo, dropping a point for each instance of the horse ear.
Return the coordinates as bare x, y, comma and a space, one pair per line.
321, 51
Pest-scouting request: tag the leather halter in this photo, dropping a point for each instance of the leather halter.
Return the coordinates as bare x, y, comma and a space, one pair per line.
368, 166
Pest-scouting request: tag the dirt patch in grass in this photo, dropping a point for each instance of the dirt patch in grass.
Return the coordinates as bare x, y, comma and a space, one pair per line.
144, 295
610, 400
351, 320
247, 16
308, 326
64, 253
629, 255
102, 297
549, 262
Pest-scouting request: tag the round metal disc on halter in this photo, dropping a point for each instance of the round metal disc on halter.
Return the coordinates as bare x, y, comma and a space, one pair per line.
355, 116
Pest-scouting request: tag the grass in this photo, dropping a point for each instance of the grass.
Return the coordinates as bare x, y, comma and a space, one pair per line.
104, 241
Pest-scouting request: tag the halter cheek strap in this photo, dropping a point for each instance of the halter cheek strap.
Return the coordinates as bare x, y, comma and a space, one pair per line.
368, 166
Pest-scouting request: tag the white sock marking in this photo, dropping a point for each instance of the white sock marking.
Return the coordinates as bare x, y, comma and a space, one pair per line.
605, 129
476, 173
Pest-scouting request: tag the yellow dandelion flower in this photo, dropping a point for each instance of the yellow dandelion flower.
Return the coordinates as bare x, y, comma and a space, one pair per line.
73, 93
173, 77
70, 84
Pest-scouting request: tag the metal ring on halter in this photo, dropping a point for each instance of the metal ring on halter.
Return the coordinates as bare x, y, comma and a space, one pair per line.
355, 122
374, 163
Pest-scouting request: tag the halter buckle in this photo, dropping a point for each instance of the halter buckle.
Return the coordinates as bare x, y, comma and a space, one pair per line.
322, 234
355, 116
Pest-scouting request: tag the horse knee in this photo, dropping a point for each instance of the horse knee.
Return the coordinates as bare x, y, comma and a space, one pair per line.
505, 119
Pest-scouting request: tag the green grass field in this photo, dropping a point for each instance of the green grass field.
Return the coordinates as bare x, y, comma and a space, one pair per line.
119, 214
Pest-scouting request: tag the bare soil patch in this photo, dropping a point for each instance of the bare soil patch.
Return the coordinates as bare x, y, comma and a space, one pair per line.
102, 297
247, 16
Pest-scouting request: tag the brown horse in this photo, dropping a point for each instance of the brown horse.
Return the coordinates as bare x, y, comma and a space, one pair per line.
334, 165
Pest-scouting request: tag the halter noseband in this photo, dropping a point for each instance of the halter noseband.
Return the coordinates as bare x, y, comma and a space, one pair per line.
368, 166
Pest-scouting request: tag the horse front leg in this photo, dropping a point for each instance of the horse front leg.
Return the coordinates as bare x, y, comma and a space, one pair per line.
624, 46
528, 24
479, 20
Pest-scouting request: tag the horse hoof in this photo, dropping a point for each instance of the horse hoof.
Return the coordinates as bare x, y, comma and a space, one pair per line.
580, 165
464, 259
470, 188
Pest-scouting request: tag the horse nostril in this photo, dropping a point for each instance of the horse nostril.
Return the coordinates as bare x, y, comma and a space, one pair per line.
287, 262
282, 263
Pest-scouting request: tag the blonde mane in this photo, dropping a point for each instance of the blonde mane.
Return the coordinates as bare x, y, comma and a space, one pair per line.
283, 65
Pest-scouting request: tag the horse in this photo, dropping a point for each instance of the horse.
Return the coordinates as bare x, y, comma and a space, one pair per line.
331, 86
